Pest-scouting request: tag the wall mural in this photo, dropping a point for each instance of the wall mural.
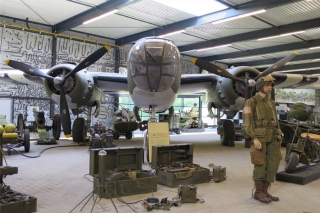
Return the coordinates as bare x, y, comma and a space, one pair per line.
36, 50
306, 96
75, 51
106, 111
24, 97
189, 68
30, 48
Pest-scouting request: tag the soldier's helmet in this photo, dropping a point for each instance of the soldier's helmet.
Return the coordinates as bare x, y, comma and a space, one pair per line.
264, 80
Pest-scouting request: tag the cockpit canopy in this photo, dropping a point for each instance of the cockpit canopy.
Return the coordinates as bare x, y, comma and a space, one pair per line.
154, 64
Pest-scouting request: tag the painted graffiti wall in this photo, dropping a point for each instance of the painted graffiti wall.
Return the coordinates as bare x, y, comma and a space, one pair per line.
36, 50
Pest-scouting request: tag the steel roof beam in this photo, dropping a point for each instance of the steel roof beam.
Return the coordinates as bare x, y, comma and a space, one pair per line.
266, 50
242, 9
273, 31
89, 14
295, 66
274, 60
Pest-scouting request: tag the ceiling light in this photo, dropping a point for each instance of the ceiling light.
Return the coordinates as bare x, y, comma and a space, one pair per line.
312, 48
101, 16
285, 34
200, 8
209, 48
316, 59
169, 34
239, 16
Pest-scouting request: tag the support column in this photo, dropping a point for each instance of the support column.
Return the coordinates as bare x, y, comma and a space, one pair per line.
316, 109
54, 51
116, 60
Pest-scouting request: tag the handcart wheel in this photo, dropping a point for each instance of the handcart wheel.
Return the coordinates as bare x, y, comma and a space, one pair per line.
20, 124
293, 161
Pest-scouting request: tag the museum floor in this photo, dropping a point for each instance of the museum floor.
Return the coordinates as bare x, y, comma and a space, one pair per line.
57, 180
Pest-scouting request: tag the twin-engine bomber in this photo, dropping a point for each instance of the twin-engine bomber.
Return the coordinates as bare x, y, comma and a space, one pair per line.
154, 80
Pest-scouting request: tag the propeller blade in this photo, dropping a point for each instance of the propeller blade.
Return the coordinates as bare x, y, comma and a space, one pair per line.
212, 68
27, 69
64, 113
89, 60
276, 66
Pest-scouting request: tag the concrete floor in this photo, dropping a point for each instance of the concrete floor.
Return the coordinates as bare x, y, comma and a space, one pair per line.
57, 180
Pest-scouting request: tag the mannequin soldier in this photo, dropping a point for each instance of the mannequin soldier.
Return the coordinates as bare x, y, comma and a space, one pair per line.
261, 125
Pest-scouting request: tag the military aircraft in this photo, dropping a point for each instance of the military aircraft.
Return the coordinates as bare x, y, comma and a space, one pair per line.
153, 80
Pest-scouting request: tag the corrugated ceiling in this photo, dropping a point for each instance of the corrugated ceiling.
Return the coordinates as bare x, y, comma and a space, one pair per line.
140, 16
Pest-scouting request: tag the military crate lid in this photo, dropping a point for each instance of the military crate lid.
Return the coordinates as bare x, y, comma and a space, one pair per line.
165, 155
118, 159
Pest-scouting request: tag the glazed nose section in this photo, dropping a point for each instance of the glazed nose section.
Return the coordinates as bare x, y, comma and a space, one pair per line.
154, 64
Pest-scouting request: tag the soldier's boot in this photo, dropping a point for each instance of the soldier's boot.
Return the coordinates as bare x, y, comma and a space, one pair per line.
258, 194
266, 186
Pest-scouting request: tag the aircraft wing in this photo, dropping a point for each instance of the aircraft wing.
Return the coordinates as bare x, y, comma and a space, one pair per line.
296, 81
114, 83
197, 83
190, 83
111, 83
8, 77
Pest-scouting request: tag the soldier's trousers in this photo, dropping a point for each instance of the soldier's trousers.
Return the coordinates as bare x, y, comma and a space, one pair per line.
272, 157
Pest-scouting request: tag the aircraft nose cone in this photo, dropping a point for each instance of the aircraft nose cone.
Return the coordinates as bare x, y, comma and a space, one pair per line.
57, 80
251, 83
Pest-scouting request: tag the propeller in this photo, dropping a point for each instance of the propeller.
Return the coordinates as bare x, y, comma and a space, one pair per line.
212, 68
276, 66
64, 110
95, 56
27, 69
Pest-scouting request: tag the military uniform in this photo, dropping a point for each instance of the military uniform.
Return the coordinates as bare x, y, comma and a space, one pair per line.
260, 123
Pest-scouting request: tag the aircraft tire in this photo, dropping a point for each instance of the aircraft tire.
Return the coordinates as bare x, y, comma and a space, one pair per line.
78, 130
56, 126
227, 136
293, 161
26, 141
128, 135
288, 134
116, 135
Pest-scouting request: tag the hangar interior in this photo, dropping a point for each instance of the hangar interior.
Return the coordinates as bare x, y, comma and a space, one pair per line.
254, 33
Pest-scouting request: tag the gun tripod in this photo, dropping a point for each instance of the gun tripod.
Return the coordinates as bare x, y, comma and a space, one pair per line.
102, 186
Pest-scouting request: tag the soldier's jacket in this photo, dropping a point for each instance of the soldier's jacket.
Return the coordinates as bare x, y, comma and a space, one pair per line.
260, 119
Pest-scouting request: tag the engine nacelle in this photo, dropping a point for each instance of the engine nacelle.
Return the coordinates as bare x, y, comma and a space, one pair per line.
79, 88
229, 94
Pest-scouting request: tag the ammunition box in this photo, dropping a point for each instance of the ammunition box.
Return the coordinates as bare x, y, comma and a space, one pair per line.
174, 166
24, 206
8, 170
124, 174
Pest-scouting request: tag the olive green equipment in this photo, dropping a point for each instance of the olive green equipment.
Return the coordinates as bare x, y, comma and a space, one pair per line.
187, 193
122, 172
218, 173
174, 165
44, 131
306, 150
262, 125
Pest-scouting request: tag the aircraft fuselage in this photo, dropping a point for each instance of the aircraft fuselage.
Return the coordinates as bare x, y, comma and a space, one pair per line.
154, 73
